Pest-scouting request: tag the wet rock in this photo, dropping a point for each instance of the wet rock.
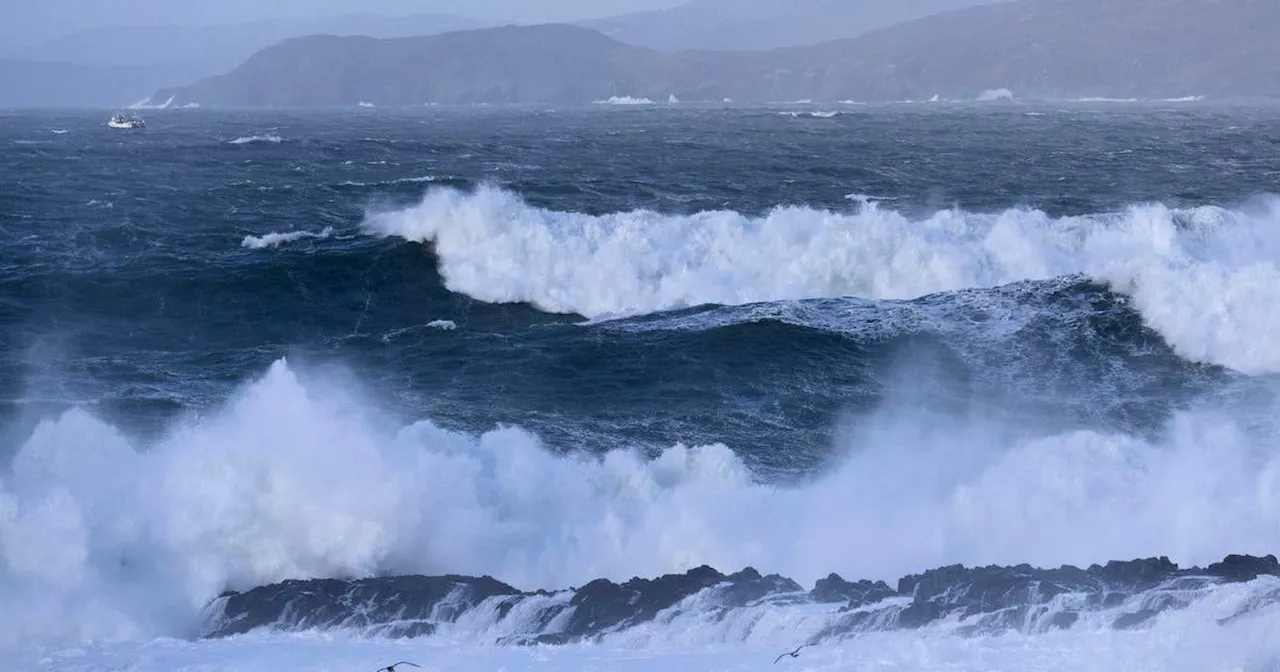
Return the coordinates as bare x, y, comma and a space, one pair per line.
416, 601
980, 600
1237, 568
835, 589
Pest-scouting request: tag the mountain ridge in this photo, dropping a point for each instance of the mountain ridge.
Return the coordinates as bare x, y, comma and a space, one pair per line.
216, 49
119, 65
1113, 48
727, 25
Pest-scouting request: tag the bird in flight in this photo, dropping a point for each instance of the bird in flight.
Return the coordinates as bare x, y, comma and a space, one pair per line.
793, 654
392, 667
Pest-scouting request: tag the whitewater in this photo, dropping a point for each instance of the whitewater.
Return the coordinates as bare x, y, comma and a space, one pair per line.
296, 479
1204, 278
620, 358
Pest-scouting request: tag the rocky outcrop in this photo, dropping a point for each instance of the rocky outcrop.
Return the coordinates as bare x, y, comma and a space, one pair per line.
406, 606
852, 595
981, 600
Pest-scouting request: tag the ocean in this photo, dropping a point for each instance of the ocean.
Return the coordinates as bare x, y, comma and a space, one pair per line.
555, 346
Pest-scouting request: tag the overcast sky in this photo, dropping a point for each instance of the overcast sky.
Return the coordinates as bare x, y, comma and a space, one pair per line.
27, 21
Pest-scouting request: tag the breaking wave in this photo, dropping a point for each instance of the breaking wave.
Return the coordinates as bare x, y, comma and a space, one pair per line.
277, 239
398, 180
299, 477
995, 94
813, 115
253, 139
1205, 278
624, 100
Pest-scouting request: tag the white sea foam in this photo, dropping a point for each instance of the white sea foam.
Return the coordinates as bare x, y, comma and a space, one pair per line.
277, 239
995, 94
298, 477
1207, 279
251, 139
866, 199
1189, 641
399, 180
624, 100
814, 115
443, 325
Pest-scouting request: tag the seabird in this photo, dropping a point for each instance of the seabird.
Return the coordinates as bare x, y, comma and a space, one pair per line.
392, 667
793, 654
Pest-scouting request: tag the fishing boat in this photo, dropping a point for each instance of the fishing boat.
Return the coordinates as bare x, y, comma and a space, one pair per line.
121, 121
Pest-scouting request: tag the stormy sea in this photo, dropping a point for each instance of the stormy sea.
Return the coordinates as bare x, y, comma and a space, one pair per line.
982, 386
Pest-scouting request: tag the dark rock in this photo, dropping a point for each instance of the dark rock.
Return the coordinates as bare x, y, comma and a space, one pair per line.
919, 613
1018, 598
1238, 568
1135, 574
835, 589
986, 589
329, 603
604, 605
1063, 620
747, 587
1134, 620
1111, 599
981, 600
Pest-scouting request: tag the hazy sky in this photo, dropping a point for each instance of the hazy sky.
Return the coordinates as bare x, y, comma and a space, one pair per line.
27, 21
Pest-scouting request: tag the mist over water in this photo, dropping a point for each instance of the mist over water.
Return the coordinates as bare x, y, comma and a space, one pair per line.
483, 344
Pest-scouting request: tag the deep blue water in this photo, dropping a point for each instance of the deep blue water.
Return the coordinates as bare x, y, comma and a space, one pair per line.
126, 286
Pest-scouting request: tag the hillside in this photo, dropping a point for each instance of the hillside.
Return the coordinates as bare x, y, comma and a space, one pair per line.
1038, 48
130, 62
1070, 49
216, 49
550, 63
746, 25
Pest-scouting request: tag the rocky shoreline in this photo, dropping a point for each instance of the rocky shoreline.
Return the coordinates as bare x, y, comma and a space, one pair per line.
981, 600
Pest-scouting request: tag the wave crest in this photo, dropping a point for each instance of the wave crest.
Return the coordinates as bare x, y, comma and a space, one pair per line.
275, 239
1205, 278
625, 100
253, 139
